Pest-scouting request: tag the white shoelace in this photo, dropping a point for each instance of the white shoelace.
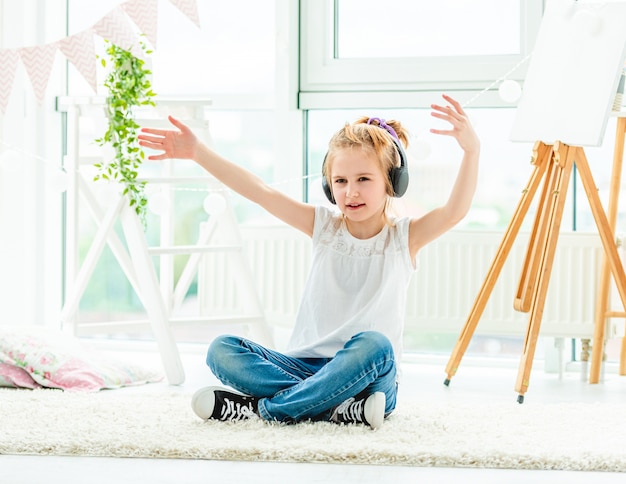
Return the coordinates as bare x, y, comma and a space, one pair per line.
236, 411
350, 410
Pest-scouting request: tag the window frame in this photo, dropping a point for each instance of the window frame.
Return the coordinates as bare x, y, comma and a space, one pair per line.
328, 82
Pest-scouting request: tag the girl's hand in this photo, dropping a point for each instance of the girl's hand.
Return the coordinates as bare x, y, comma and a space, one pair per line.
462, 129
179, 144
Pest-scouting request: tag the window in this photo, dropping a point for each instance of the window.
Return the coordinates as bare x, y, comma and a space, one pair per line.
407, 46
216, 59
374, 29
231, 61
361, 57
391, 60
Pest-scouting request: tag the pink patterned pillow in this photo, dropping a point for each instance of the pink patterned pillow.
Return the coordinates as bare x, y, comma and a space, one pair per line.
13, 376
56, 360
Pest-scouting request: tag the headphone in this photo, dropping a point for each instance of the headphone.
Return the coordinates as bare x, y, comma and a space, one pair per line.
398, 175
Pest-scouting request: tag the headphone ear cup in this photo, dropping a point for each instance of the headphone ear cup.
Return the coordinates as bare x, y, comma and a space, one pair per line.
399, 180
325, 186
327, 191
399, 175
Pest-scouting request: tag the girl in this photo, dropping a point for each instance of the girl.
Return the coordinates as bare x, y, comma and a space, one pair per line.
340, 364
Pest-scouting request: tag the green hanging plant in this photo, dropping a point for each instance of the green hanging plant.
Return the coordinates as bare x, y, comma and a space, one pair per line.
129, 86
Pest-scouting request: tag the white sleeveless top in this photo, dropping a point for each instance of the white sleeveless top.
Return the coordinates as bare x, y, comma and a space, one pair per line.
354, 285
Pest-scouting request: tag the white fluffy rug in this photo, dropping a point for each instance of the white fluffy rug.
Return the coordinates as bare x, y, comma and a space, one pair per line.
118, 424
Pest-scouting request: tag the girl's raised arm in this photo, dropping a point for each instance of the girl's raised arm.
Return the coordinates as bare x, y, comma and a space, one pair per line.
182, 143
440, 220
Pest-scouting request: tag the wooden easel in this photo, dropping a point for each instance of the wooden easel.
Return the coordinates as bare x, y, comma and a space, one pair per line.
554, 163
602, 303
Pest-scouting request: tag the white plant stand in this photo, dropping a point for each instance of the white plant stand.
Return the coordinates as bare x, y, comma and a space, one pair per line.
160, 295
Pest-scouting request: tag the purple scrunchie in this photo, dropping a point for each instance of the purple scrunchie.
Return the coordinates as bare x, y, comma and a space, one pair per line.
382, 124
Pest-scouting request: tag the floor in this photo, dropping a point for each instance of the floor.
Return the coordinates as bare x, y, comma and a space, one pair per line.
423, 377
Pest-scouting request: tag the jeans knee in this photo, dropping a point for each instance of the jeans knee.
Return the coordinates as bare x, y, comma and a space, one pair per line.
220, 350
374, 342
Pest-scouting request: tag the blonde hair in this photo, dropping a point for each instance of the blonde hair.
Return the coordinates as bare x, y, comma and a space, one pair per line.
373, 135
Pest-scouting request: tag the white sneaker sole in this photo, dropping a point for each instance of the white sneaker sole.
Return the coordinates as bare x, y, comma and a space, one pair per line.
203, 402
374, 409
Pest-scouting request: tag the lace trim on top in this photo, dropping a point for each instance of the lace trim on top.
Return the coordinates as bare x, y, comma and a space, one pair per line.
337, 238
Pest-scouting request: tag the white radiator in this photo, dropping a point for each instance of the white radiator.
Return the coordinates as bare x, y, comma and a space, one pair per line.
441, 293
279, 258
453, 268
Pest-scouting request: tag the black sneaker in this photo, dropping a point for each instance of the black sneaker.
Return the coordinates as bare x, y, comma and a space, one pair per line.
369, 411
221, 404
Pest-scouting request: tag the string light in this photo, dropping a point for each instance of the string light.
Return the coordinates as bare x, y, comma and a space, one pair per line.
510, 91
10, 161
497, 81
214, 204
419, 148
285, 181
12, 158
587, 20
13, 151
159, 203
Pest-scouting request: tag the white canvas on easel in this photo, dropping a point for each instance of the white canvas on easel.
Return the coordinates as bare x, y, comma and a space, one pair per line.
573, 73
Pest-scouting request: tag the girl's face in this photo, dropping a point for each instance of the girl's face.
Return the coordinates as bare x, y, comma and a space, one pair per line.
359, 187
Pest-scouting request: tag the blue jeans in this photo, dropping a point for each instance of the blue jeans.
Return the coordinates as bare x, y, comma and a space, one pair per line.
295, 389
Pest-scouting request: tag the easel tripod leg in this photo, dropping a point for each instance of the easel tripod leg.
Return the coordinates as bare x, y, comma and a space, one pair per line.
602, 302
558, 182
541, 156
610, 250
529, 273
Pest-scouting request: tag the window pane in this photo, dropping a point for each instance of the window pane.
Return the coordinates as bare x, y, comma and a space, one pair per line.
423, 28
232, 52
231, 56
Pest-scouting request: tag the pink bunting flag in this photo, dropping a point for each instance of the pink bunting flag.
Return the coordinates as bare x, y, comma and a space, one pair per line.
80, 51
189, 8
38, 62
8, 65
145, 15
116, 28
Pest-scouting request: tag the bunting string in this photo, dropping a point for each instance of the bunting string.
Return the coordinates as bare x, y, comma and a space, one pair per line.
79, 49
116, 27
